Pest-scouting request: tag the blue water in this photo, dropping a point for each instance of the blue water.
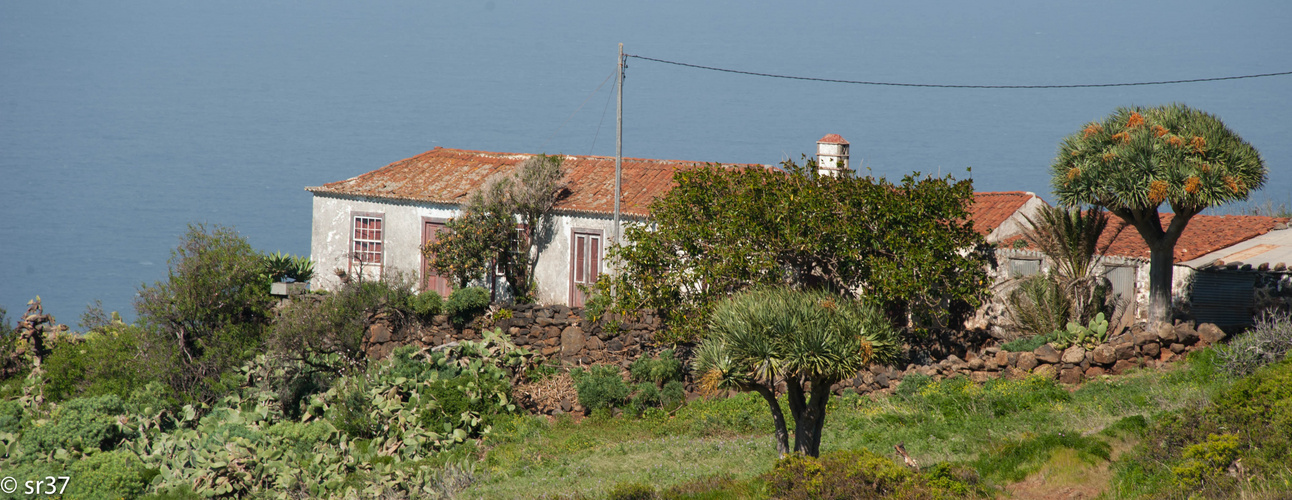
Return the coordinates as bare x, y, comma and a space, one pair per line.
123, 121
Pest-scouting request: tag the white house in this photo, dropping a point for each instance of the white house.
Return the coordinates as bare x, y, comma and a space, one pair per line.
379, 221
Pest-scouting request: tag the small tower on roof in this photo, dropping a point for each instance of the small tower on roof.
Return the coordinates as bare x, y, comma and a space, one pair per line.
831, 155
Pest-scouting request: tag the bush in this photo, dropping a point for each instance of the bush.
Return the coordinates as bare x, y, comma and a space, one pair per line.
466, 304
657, 370
327, 331
631, 491
79, 424
600, 386
426, 304
862, 474
208, 316
1038, 306
1268, 342
107, 476
102, 362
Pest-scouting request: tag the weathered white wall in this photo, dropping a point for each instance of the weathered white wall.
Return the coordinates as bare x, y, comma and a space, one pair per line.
330, 241
402, 234
1016, 223
553, 266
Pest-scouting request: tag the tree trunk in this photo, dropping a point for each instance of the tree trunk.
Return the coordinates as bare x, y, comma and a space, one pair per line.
811, 420
778, 418
1160, 270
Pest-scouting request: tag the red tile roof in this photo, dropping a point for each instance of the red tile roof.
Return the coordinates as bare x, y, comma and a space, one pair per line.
1203, 235
449, 175
990, 210
832, 139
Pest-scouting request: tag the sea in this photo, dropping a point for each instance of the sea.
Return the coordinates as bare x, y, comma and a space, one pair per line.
122, 122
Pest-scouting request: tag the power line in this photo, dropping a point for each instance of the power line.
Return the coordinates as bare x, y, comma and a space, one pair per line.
945, 86
576, 110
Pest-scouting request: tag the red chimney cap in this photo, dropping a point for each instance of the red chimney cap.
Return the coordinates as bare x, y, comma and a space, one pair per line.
832, 139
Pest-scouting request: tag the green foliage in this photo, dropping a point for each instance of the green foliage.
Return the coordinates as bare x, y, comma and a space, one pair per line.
80, 424
108, 476
600, 387
484, 235
1138, 158
1070, 238
1189, 452
723, 230
427, 304
326, 331
466, 304
1089, 336
631, 491
858, 474
1015, 460
281, 267
658, 370
208, 316
1268, 342
958, 396
1030, 343
762, 338
1207, 461
102, 362
1038, 305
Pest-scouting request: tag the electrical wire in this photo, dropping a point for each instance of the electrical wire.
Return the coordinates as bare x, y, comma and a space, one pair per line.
603, 120
576, 111
946, 86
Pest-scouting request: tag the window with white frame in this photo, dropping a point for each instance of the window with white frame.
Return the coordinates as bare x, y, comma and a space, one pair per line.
366, 243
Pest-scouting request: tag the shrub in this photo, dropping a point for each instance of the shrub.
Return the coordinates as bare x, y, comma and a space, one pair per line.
466, 304
631, 491
102, 362
314, 329
79, 424
426, 304
108, 475
657, 370
1268, 342
600, 386
862, 474
1038, 305
210, 313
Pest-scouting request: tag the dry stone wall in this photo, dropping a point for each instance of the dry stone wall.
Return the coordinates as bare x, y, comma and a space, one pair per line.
560, 334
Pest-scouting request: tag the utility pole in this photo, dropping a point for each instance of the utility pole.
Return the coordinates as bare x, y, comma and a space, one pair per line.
619, 141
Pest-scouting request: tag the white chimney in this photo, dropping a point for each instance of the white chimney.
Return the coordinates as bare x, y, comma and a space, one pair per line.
831, 155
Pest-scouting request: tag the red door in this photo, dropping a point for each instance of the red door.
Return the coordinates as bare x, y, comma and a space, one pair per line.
585, 265
430, 280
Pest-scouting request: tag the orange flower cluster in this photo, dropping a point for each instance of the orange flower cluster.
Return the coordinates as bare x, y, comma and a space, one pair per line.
1107, 157
1175, 140
1160, 131
1157, 191
1090, 130
1192, 184
1198, 143
1135, 120
1123, 136
1073, 173
1233, 184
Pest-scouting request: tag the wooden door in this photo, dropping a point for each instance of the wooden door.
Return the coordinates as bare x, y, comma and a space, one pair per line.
430, 280
585, 264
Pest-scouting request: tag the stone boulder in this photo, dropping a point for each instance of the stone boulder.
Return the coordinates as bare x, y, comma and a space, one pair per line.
1105, 355
1026, 361
1073, 355
572, 341
1070, 376
1166, 333
1046, 354
1210, 333
1046, 371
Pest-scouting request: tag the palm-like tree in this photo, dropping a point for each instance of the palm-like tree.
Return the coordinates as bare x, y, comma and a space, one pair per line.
1139, 158
1070, 238
808, 340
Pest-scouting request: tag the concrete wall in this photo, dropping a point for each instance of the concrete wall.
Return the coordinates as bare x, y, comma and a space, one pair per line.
330, 241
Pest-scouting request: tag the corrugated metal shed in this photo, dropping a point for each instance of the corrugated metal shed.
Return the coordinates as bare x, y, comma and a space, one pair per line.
1223, 297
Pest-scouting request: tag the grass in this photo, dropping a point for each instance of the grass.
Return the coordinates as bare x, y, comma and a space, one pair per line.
1007, 430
